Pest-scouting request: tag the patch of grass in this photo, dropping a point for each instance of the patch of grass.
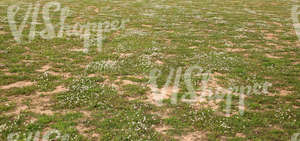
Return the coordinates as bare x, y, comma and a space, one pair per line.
83, 92
247, 43
6, 107
21, 91
134, 90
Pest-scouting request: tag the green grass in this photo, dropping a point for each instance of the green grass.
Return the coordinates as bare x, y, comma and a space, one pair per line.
233, 38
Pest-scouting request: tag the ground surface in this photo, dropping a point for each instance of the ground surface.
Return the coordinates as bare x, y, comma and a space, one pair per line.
53, 84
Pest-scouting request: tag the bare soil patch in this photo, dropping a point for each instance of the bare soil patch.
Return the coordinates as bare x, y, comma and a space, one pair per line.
19, 84
44, 68
272, 56
194, 136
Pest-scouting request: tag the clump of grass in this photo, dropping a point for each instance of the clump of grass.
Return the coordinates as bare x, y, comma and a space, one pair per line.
6, 107
283, 115
134, 90
103, 66
217, 61
83, 92
144, 63
12, 125
45, 82
129, 124
21, 91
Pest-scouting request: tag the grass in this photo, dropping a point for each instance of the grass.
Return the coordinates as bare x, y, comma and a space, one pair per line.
106, 96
